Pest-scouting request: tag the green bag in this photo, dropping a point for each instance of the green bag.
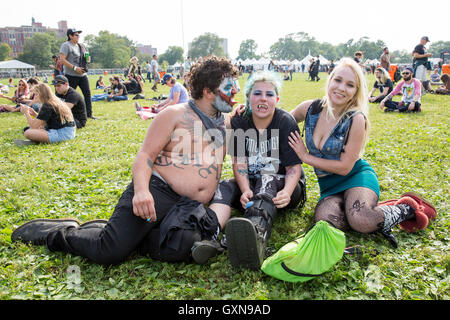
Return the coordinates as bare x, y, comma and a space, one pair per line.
309, 256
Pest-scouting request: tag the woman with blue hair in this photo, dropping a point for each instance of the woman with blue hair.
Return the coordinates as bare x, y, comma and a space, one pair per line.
268, 174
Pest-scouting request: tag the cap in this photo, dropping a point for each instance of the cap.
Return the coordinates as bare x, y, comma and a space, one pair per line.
426, 38
166, 77
60, 80
410, 69
72, 31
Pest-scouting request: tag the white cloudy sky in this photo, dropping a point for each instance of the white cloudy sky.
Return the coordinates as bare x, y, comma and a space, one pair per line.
164, 23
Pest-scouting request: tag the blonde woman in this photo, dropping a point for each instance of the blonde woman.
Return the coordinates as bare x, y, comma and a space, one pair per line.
20, 96
54, 122
336, 128
383, 83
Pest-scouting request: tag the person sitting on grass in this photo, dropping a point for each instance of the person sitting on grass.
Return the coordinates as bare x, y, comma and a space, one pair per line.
445, 88
72, 98
411, 89
383, 83
54, 122
336, 128
268, 174
132, 85
118, 91
163, 211
435, 77
100, 84
21, 94
178, 94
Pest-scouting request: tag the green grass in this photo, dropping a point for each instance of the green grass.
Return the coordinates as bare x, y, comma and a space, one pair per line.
85, 177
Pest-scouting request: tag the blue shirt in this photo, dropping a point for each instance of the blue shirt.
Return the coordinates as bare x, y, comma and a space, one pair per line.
184, 96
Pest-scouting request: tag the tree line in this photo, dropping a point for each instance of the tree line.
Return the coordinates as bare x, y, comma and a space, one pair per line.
109, 50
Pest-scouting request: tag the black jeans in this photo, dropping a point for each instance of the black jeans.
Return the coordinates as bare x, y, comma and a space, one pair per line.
400, 106
125, 232
83, 83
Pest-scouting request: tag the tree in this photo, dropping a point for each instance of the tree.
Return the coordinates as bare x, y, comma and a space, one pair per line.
285, 48
436, 48
110, 50
5, 51
206, 44
40, 48
247, 50
172, 55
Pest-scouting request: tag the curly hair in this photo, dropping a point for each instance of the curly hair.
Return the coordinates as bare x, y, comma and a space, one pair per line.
209, 74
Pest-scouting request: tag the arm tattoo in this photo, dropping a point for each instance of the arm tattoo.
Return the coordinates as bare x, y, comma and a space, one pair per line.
150, 163
243, 172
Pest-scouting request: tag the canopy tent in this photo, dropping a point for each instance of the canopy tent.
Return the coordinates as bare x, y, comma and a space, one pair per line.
374, 62
16, 68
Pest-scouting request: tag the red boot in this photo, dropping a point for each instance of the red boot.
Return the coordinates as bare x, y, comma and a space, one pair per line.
421, 217
427, 207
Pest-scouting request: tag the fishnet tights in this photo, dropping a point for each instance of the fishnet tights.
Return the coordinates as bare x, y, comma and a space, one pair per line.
354, 209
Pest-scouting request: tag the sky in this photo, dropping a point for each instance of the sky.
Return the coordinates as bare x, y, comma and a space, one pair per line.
177, 22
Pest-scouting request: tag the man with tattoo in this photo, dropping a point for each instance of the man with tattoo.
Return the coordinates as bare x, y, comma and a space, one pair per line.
162, 212
268, 175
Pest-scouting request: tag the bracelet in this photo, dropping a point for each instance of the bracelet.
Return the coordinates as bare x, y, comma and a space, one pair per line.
74, 67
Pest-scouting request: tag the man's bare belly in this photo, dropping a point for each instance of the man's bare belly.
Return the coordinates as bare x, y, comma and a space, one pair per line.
189, 176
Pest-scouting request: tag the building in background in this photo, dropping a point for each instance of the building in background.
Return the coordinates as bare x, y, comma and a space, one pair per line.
15, 36
146, 49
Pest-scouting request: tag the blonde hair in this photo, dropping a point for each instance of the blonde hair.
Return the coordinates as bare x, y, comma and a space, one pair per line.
47, 96
384, 75
358, 103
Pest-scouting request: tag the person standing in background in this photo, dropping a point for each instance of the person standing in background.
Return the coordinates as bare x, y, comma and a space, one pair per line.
74, 58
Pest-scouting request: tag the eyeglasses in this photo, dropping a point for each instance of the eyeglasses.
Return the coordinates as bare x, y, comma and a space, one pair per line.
406, 73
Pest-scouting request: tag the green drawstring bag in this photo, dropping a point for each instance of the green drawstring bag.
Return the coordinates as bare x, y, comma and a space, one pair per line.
309, 256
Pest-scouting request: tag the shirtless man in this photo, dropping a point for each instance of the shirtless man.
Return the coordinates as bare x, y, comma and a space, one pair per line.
175, 173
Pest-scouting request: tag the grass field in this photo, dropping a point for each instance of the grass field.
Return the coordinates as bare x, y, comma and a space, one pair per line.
84, 178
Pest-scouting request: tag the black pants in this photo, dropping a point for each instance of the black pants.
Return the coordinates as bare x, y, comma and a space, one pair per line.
125, 232
83, 83
400, 106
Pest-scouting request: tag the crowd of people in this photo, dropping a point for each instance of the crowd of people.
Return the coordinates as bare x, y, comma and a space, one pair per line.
162, 216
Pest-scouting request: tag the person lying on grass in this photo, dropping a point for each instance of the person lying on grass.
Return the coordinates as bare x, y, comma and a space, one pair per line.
54, 122
336, 128
162, 213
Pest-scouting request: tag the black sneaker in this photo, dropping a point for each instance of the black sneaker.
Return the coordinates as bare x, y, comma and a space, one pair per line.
203, 250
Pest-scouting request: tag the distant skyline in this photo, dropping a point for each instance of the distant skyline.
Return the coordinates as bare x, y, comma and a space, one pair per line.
176, 23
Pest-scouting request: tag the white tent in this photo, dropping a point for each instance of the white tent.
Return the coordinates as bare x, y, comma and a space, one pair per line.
306, 60
323, 60
16, 68
372, 62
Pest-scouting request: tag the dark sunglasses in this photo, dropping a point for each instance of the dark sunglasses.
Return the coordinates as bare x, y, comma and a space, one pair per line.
406, 73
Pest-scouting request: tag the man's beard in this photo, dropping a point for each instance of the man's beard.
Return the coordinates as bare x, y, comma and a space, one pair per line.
221, 105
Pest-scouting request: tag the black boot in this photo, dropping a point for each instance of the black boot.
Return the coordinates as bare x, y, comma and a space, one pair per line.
205, 249
247, 237
36, 231
393, 215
